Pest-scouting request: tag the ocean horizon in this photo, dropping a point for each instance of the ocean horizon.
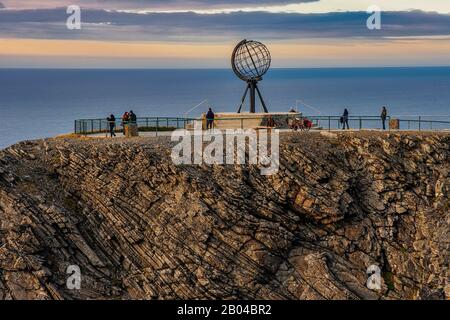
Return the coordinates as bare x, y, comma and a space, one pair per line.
39, 103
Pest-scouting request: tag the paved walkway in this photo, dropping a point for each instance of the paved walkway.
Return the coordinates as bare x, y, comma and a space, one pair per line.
206, 133
169, 133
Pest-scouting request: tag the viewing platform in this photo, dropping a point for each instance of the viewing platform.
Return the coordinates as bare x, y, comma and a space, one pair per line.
151, 126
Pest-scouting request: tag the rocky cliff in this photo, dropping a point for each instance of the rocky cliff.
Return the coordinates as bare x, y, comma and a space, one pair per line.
139, 227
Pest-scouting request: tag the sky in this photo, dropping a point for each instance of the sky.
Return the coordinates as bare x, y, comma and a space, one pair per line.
202, 33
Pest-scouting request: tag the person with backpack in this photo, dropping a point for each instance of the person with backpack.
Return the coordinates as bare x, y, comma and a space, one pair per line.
112, 125
383, 117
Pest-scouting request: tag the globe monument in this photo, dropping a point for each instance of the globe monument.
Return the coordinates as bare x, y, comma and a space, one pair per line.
250, 62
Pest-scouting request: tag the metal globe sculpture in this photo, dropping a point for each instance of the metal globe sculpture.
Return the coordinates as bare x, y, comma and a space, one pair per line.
250, 61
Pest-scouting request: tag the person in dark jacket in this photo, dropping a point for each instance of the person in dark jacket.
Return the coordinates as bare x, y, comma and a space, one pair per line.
209, 119
112, 125
133, 117
344, 119
383, 117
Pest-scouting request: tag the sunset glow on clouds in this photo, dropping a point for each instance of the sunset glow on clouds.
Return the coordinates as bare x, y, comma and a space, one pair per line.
157, 33
300, 6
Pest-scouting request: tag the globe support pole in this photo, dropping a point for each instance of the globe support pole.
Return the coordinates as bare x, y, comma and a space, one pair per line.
243, 99
252, 85
261, 99
254, 90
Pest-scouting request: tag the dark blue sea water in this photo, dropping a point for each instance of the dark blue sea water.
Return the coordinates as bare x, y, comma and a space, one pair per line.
43, 103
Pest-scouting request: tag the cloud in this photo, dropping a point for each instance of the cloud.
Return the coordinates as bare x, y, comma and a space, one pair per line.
189, 26
151, 4
2, 6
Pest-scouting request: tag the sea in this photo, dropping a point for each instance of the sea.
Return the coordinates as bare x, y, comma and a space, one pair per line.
40, 103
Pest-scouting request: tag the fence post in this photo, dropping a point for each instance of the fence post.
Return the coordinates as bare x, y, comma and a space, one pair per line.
157, 125
420, 123
329, 123
360, 123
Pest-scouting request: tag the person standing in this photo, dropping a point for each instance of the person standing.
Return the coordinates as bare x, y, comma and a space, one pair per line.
345, 119
125, 119
112, 125
132, 129
271, 122
209, 119
133, 117
383, 117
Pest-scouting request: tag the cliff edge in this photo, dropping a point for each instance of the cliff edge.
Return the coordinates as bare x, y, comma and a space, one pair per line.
140, 227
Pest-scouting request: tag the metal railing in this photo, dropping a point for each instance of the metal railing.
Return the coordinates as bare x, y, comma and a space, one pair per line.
354, 122
418, 123
162, 124
424, 124
146, 124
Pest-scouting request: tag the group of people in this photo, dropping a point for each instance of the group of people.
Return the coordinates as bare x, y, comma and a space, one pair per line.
345, 117
130, 118
127, 118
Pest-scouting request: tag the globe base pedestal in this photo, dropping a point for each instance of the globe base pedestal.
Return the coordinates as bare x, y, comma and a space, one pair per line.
252, 87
